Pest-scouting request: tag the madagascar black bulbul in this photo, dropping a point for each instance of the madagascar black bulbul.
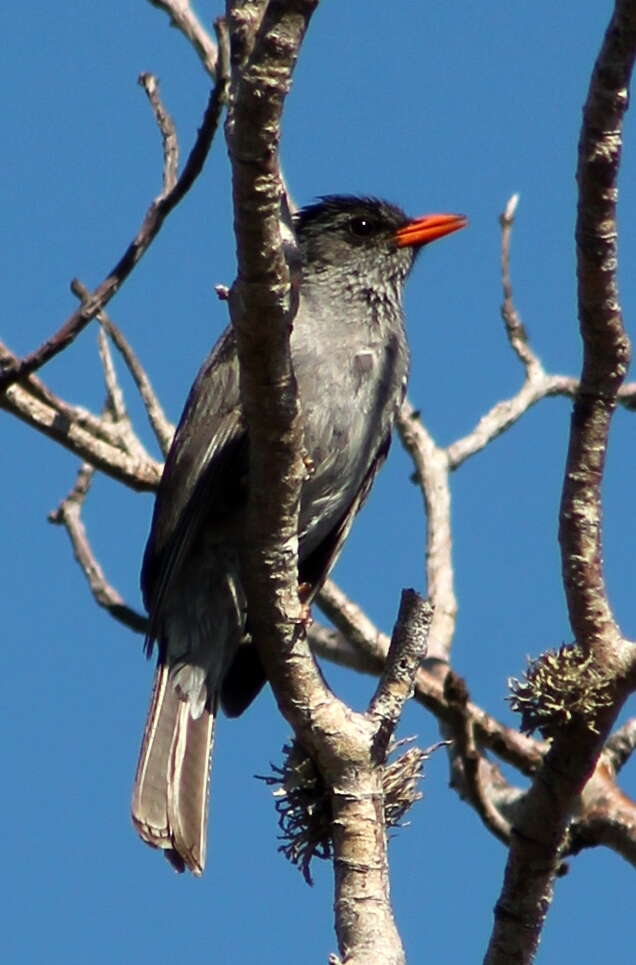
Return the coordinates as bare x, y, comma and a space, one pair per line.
350, 358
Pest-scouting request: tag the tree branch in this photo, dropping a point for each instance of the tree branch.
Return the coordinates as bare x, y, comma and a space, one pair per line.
69, 515
161, 426
262, 306
473, 776
84, 435
116, 407
17, 401
517, 335
15, 370
539, 832
183, 17
621, 745
397, 680
363, 647
431, 466
607, 815
167, 130
605, 343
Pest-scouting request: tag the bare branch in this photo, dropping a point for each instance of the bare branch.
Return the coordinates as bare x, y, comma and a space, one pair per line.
353, 623
607, 816
474, 782
606, 346
162, 427
13, 371
504, 414
517, 335
333, 646
34, 390
262, 307
85, 436
116, 404
69, 515
431, 465
357, 633
539, 832
627, 395
167, 130
183, 17
244, 20
621, 745
42, 393
614, 828
397, 681
537, 384
262, 310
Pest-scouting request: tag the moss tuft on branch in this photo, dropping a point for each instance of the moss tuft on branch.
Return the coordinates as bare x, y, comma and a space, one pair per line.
304, 808
558, 687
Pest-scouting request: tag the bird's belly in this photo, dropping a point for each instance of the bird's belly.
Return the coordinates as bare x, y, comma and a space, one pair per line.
339, 458
347, 408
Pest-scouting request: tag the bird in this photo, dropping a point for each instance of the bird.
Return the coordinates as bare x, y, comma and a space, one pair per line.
350, 358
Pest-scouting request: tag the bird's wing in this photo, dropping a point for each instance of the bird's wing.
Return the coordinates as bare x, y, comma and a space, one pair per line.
205, 472
246, 674
315, 568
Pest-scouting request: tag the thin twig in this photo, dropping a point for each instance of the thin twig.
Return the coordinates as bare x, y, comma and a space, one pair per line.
19, 399
162, 427
116, 405
13, 370
431, 466
506, 413
334, 646
517, 335
537, 384
69, 515
183, 17
167, 130
475, 770
85, 436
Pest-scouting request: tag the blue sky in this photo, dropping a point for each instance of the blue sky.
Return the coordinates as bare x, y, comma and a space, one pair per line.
437, 106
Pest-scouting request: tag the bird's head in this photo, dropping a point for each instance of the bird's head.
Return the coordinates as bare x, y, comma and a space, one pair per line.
365, 238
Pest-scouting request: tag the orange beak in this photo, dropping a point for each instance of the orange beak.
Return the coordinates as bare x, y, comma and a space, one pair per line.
429, 228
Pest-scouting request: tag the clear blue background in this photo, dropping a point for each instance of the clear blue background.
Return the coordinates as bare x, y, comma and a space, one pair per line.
438, 106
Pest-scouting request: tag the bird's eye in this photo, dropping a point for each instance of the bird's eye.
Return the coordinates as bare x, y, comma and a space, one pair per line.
362, 227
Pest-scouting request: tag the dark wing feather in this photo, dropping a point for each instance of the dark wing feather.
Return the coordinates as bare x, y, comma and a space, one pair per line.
203, 472
246, 674
315, 568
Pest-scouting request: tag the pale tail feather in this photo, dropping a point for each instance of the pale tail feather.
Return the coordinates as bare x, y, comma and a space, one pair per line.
170, 797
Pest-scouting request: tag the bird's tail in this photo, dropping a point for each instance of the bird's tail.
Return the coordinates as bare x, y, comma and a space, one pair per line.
170, 796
